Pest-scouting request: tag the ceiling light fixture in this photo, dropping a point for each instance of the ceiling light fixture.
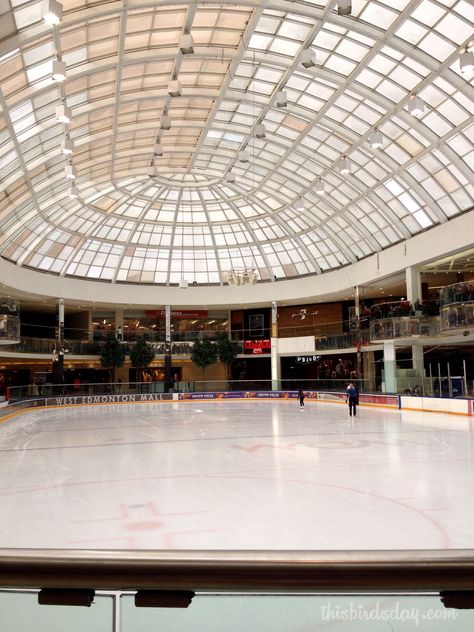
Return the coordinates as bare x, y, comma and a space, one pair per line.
174, 88
73, 192
376, 139
186, 44
58, 70
320, 188
151, 171
238, 277
51, 12
300, 204
308, 58
281, 100
344, 7
67, 146
230, 177
466, 62
346, 165
260, 131
415, 105
70, 172
158, 149
243, 156
63, 114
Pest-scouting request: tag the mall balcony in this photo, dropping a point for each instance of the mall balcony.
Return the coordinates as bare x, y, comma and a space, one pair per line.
9, 322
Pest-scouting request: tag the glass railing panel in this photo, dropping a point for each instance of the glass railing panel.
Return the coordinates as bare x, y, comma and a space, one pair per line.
458, 316
20, 612
294, 613
406, 327
457, 293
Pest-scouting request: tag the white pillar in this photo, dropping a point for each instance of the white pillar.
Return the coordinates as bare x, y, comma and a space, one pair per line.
275, 360
119, 324
389, 367
413, 284
417, 359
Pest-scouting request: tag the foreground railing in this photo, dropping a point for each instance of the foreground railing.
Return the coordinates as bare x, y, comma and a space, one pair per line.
233, 590
292, 571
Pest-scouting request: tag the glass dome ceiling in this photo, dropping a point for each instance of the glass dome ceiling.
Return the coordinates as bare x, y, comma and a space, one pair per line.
196, 211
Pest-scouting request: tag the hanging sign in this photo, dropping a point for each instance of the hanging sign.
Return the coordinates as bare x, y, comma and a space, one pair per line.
308, 359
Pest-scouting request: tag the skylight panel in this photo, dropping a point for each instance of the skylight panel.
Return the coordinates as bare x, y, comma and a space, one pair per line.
378, 15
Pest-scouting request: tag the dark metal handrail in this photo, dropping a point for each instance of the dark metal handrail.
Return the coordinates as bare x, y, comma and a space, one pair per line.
293, 571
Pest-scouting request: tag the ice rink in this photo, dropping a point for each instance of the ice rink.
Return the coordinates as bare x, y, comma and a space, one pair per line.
236, 475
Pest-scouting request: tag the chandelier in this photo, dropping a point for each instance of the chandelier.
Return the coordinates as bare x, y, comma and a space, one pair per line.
237, 277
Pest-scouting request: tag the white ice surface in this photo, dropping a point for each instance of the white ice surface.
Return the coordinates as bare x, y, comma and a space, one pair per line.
236, 475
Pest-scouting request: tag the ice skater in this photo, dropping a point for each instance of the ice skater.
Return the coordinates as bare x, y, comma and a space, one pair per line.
352, 397
301, 397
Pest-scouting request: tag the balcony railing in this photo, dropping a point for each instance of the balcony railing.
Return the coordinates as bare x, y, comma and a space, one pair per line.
404, 327
343, 341
457, 293
457, 316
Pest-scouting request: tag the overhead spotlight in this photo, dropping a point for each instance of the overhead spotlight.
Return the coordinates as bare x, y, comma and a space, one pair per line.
260, 131
183, 284
230, 177
73, 192
174, 88
346, 165
376, 139
415, 105
344, 7
186, 44
51, 12
300, 204
58, 71
67, 146
282, 100
320, 188
151, 171
63, 114
158, 149
165, 122
243, 156
308, 58
70, 172
466, 62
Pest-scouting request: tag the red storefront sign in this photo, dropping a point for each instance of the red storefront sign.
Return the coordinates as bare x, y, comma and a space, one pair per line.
257, 346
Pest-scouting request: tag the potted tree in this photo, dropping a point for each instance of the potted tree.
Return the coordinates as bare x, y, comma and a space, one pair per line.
142, 354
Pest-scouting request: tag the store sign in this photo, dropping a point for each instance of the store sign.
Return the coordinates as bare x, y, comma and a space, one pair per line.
257, 346
308, 359
179, 314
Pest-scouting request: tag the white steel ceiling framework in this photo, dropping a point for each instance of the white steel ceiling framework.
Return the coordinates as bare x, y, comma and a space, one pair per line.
192, 219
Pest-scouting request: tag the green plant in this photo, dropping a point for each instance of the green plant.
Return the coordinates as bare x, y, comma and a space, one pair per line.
112, 356
142, 354
204, 354
227, 350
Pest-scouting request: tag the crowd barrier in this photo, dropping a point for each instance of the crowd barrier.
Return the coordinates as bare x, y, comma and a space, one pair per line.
401, 402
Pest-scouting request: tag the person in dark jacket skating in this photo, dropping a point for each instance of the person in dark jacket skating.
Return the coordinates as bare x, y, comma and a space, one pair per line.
352, 398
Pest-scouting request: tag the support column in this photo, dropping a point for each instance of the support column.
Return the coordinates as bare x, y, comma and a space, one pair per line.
168, 378
390, 368
417, 359
275, 361
357, 331
369, 371
58, 365
413, 284
119, 324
